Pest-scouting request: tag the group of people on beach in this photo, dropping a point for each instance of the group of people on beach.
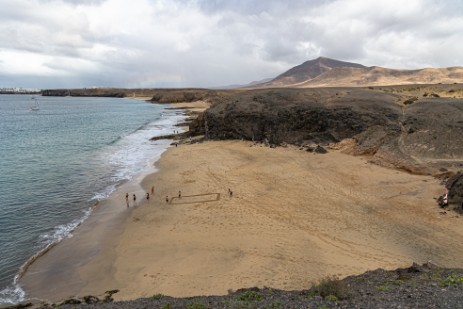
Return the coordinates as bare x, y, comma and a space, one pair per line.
134, 197
230, 193
127, 200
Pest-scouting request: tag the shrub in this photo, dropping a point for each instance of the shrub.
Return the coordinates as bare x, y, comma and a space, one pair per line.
250, 295
331, 286
157, 296
331, 298
196, 306
274, 305
398, 282
411, 100
451, 280
382, 288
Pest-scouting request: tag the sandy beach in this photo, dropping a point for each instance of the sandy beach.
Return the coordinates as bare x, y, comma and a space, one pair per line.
293, 218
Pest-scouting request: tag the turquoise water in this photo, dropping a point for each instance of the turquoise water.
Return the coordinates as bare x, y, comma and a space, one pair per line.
55, 163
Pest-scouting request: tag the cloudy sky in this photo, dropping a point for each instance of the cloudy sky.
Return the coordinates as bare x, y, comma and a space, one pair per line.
207, 43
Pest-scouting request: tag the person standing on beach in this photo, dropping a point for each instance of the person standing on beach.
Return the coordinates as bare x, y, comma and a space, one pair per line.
167, 199
127, 199
147, 196
179, 194
134, 200
152, 190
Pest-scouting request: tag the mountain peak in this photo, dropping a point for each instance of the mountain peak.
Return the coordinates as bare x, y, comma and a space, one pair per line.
311, 69
327, 72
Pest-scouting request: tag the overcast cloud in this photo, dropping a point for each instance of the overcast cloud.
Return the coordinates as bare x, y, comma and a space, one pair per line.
201, 43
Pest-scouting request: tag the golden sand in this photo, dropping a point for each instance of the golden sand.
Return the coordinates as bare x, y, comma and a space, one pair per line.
293, 218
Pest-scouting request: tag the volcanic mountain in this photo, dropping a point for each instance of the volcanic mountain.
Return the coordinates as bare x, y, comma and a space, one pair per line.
326, 72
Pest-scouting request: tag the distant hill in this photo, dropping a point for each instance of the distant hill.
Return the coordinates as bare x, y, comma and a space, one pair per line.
326, 72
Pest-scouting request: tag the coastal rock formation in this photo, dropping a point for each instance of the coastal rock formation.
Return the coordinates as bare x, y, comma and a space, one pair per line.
151, 94
455, 186
299, 116
423, 137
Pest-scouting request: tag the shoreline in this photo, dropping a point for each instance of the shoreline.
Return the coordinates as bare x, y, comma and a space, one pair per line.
259, 237
56, 262
293, 218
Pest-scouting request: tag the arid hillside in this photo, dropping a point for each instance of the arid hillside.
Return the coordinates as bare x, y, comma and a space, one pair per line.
308, 71
325, 72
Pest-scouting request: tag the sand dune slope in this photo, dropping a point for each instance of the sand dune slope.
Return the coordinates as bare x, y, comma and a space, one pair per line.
294, 218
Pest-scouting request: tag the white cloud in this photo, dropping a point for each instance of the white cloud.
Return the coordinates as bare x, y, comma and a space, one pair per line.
19, 63
155, 43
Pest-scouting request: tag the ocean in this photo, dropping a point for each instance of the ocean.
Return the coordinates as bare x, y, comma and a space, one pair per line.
58, 161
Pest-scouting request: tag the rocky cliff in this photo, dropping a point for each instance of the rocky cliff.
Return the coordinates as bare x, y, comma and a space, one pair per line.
398, 127
300, 116
455, 186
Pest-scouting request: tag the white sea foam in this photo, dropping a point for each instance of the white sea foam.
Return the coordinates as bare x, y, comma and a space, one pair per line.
15, 294
133, 153
63, 231
126, 157
12, 295
99, 196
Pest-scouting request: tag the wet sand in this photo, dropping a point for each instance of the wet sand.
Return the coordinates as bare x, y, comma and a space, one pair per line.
294, 218
56, 275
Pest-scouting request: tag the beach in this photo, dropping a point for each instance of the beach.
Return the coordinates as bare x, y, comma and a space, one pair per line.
291, 219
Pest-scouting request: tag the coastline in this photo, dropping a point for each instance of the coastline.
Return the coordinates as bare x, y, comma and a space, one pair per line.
294, 218
276, 231
61, 262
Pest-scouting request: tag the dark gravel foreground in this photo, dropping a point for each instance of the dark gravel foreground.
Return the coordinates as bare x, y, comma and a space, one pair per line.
425, 286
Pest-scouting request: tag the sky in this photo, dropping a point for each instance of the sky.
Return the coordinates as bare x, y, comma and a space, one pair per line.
212, 43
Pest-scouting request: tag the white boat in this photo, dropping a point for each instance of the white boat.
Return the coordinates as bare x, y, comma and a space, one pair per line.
35, 106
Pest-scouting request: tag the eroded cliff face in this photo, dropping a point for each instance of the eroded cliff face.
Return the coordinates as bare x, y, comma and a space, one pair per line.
455, 186
423, 137
299, 116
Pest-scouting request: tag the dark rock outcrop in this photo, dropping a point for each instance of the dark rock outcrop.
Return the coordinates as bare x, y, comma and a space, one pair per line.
422, 138
316, 149
455, 197
92, 92
298, 116
155, 95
